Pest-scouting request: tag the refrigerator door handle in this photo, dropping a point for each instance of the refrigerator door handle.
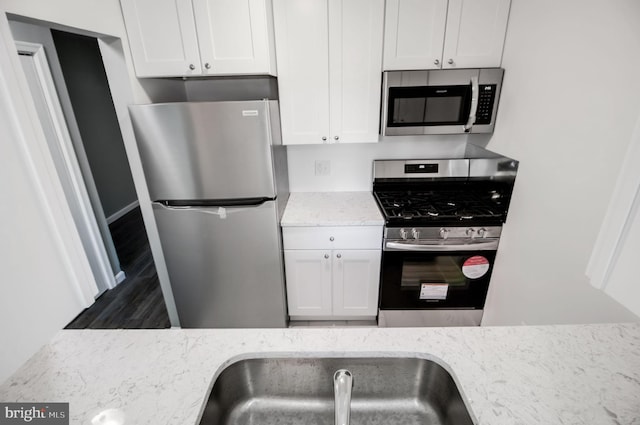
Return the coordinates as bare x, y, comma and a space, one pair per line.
203, 203
220, 211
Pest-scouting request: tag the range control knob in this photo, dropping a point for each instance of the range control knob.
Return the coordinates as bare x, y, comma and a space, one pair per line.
415, 233
482, 232
471, 232
403, 234
444, 233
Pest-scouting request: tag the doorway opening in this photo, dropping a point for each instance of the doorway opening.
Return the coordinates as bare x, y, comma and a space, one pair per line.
74, 104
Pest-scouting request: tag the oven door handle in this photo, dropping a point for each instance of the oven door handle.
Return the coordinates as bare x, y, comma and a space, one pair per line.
475, 92
480, 246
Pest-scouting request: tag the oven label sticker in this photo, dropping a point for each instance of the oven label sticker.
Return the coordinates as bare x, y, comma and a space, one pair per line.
475, 267
434, 291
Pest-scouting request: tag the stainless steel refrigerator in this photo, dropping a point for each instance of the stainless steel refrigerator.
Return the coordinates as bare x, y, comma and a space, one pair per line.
217, 176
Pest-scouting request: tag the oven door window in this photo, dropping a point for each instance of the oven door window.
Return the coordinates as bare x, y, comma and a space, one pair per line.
428, 106
437, 270
435, 280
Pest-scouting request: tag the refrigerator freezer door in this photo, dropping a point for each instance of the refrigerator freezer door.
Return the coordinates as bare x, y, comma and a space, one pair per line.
225, 265
206, 150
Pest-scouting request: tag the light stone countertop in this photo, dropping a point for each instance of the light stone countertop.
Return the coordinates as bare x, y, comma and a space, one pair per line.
331, 209
582, 374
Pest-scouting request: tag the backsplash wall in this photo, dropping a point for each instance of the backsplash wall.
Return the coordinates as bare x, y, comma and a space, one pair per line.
350, 165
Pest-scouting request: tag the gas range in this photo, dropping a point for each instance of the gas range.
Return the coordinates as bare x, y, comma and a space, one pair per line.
443, 221
462, 204
454, 192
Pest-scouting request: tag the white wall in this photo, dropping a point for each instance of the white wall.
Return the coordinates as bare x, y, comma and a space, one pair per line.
35, 301
351, 164
37, 293
95, 234
100, 17
570, 99
44, 269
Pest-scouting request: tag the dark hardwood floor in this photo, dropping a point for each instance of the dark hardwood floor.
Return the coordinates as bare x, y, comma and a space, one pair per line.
137, 303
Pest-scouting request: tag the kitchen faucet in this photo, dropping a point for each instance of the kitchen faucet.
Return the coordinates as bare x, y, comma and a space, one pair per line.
342, 384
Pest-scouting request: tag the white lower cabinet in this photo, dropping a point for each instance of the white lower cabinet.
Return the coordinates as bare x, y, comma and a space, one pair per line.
308, 274
355, 283
332, 272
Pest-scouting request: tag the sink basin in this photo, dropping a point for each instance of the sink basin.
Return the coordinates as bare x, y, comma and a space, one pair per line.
285, 391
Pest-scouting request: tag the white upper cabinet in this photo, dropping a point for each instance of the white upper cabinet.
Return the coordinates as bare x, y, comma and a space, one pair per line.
235, 36
175, 38
356, 29
434, 34
475, 33
162, 37
414, 34
302, 54
329, 56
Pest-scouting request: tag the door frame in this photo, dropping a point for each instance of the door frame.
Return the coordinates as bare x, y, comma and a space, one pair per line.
81, 207
19, 110
119, 70
619, 217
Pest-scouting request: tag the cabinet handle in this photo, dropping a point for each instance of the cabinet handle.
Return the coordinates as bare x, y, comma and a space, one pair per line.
207, 65
332, 238
336, 137
326, 256
339, 255
436, 62
192, 67
450, 61
324, 138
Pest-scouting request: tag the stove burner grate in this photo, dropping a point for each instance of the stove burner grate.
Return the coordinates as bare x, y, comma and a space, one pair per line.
436, 205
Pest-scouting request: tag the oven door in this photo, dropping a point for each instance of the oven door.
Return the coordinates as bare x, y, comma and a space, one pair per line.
426, 280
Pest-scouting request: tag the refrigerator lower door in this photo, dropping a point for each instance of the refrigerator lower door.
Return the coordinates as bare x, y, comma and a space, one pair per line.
225, 265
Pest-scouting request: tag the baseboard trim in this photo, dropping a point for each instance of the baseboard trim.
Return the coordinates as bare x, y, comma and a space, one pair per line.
120, 277
113, 217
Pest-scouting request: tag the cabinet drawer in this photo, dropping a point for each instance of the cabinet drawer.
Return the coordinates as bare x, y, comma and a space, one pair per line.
349, 237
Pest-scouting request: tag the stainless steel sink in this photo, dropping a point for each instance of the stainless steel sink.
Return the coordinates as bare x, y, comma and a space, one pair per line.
300, 391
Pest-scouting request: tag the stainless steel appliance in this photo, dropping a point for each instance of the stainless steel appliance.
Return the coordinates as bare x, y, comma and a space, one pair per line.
217, 176
448, 101
443, 220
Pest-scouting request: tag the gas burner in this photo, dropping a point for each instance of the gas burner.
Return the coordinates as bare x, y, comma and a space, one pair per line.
433, 206
464, 192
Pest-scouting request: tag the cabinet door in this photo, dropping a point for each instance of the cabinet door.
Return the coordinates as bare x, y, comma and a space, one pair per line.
475, 33
414, 34
162, 37
235, 36
356, 277
355, 69
308, 275
302, 40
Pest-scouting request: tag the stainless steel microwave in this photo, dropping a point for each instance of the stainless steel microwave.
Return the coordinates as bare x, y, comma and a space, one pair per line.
452, 101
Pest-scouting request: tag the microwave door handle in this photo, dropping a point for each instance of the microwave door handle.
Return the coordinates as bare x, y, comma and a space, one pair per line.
475, 89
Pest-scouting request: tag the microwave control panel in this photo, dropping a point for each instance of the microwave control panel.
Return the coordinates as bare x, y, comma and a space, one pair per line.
486, 99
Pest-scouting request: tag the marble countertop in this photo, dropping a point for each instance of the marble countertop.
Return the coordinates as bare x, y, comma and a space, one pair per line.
582, 374
331, 209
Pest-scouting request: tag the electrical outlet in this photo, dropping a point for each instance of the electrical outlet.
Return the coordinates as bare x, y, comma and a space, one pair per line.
323, 167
